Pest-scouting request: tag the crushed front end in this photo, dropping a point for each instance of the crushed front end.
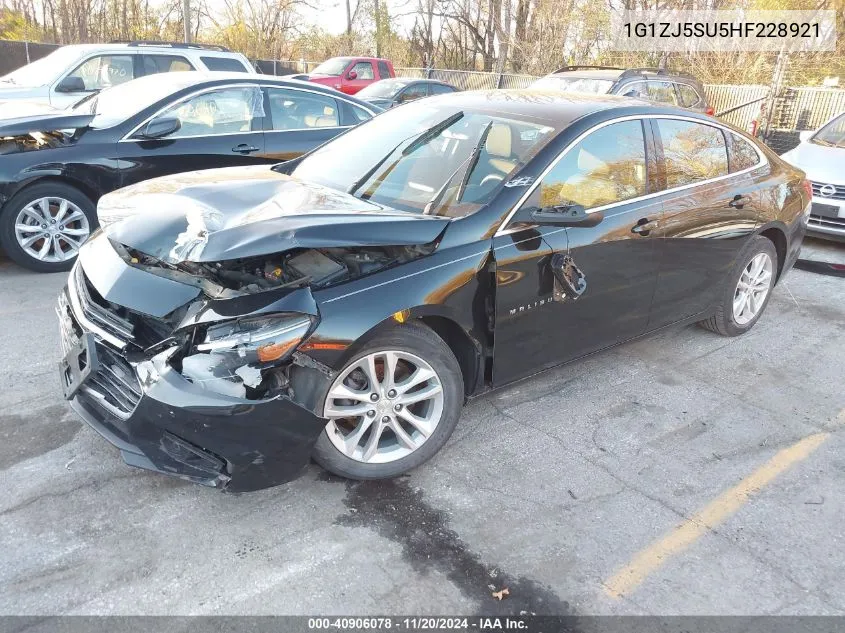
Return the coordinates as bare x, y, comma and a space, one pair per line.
211, 390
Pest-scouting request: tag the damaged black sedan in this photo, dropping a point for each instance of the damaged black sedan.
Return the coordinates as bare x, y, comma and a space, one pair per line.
225, 326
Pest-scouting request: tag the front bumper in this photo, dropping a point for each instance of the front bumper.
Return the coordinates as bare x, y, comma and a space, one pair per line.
827, 216
162, 422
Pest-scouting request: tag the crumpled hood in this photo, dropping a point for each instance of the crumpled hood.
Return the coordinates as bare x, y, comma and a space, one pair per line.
820, 163
221, 214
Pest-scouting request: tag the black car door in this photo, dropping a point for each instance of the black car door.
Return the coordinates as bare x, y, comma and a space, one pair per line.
218, 127
300, 120
563, 293
708, 215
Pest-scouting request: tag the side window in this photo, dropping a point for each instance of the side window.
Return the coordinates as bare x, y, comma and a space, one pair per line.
154, 64
692, 152
383, 70
104, 71
297, 109
741, 154
636, 89
688, 94
224, 111
607, 166
439, 89
661, 92
412, 93
226, 64
364, 70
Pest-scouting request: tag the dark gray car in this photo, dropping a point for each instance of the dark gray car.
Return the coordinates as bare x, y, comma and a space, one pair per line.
660, 85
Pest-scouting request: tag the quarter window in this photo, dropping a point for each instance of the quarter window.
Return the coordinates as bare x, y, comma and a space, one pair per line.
689, 97
383, 70
297, 110
104, 71
225, 111
741, 154
226, 64
364, 70
607, 166
692, 152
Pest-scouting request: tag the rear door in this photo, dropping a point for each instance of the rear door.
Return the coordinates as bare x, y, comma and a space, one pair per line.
709, 213
220, 127
540, 321
300, 120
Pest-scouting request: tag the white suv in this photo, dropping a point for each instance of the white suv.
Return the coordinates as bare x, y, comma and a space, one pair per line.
69, 73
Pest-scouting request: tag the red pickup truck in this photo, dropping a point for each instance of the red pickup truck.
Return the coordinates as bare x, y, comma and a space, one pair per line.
350, 74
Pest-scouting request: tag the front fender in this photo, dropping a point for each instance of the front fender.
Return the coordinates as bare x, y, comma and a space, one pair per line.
453, 284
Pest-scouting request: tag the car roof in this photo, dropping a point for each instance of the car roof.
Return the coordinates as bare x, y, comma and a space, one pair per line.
609, 74
550, 107
143, 46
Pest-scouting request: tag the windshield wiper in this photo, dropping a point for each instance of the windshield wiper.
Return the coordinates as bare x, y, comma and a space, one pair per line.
418, 142
472, 159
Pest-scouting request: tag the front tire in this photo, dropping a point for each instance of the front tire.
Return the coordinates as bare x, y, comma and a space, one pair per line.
43, 226
747, 289
392, 407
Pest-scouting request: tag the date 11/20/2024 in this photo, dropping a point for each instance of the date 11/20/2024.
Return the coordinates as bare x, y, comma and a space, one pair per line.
422, 623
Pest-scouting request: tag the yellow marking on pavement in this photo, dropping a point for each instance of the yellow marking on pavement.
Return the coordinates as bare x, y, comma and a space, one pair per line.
648, 560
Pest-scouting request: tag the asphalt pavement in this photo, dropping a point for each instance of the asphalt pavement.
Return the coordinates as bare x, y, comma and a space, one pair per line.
682, 474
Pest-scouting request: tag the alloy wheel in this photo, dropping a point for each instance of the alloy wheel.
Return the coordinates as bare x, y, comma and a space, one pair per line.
51, 229
753, 287
383, 407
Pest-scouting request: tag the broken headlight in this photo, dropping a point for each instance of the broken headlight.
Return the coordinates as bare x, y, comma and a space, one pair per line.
257, 340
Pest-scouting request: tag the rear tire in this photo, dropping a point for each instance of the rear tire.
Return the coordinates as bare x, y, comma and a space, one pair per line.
408, 435
747, 289
43, 226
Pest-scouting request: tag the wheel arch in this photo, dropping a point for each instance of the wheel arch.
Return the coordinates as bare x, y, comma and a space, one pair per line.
777, 236
85, 188
467, 349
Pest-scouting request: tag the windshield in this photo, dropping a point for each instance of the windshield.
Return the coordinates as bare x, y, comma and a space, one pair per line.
113, 106
437, 160
832, 134
45, 70
385, 88
574, 84
334, 66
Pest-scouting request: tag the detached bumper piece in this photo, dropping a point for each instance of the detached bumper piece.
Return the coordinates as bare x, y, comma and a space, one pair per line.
161, 421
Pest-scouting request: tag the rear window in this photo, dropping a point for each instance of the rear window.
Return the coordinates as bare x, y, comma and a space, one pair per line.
692, 152
226, 64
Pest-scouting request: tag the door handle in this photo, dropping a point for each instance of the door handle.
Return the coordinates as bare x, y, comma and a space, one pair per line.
644, 226
243, 148
739, 201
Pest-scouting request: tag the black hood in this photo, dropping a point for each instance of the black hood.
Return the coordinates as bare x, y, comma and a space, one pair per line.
221, 214
60, 120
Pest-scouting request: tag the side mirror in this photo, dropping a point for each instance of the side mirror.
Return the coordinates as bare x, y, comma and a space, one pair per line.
806, 135
560, 215
71, 84
161, 127
352, 75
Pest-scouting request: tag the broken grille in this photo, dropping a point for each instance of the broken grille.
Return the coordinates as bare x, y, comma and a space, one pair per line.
97, 310
114, 386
